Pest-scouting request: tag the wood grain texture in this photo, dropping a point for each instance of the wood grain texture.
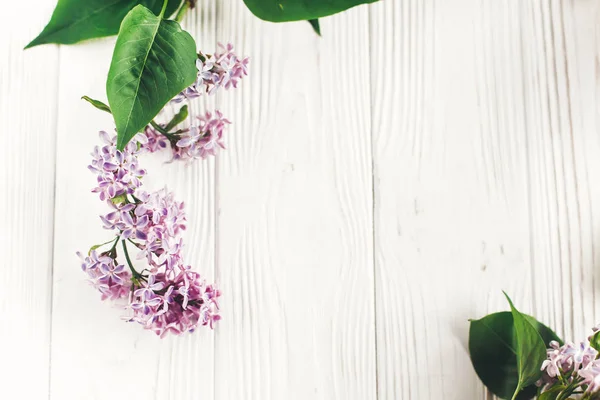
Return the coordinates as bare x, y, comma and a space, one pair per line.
563, 146
94, 353
382, 185
28, 105
484, 145
295, 213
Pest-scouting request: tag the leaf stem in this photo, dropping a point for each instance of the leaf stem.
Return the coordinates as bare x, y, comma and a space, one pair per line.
517, 390
182, 11
164, 8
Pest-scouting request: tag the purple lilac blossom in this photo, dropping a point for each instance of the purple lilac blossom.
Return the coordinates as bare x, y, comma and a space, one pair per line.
572, 367
117, 171
204, 138
113, 281
224, 69
168, 297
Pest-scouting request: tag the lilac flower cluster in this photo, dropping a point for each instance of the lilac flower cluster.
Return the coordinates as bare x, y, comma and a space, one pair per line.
166, 296
204, 136
202, 139
571, 369
112, 280
224, 69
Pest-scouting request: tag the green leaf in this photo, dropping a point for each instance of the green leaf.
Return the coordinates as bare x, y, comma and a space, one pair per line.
177, 118
530, 349
492, 346
296, 10
76, 20
315, 25
154, 59
97, 103
552, 393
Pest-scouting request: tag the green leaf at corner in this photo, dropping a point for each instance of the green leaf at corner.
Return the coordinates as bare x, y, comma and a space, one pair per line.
492, 347
97, 103
74, 20
296, 10
530, 349
315, 25
154, 59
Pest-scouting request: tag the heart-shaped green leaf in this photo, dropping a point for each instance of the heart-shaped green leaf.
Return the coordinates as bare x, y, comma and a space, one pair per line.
296, 10
530, 349
75, 20
492, 346
154, 59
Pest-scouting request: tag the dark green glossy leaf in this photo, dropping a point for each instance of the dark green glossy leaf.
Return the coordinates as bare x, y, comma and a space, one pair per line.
76, 20
315, 25
492, 346
154, 59
296, 10
178, 118
530, 349
97, 103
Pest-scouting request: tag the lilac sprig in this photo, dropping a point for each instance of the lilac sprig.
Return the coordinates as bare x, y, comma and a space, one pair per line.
571, 369
202, 139
204, 136
167, 296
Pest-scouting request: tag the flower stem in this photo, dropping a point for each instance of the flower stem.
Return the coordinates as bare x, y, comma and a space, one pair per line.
170, 136
114, 243
135, 244
135, 274
158, 127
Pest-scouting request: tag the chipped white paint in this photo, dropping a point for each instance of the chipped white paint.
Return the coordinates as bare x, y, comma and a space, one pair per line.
382, 184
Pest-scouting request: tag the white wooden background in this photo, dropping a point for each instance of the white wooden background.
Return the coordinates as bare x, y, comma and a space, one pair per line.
382, 185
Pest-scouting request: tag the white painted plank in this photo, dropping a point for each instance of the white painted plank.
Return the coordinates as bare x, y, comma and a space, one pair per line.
28, 103
295, 213
486, 144
563, 146
95, 355
451, 180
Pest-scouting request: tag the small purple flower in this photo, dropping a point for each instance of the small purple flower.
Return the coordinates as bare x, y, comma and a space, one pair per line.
149, 289
146, 305
133, 228
93, 261
111, 272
